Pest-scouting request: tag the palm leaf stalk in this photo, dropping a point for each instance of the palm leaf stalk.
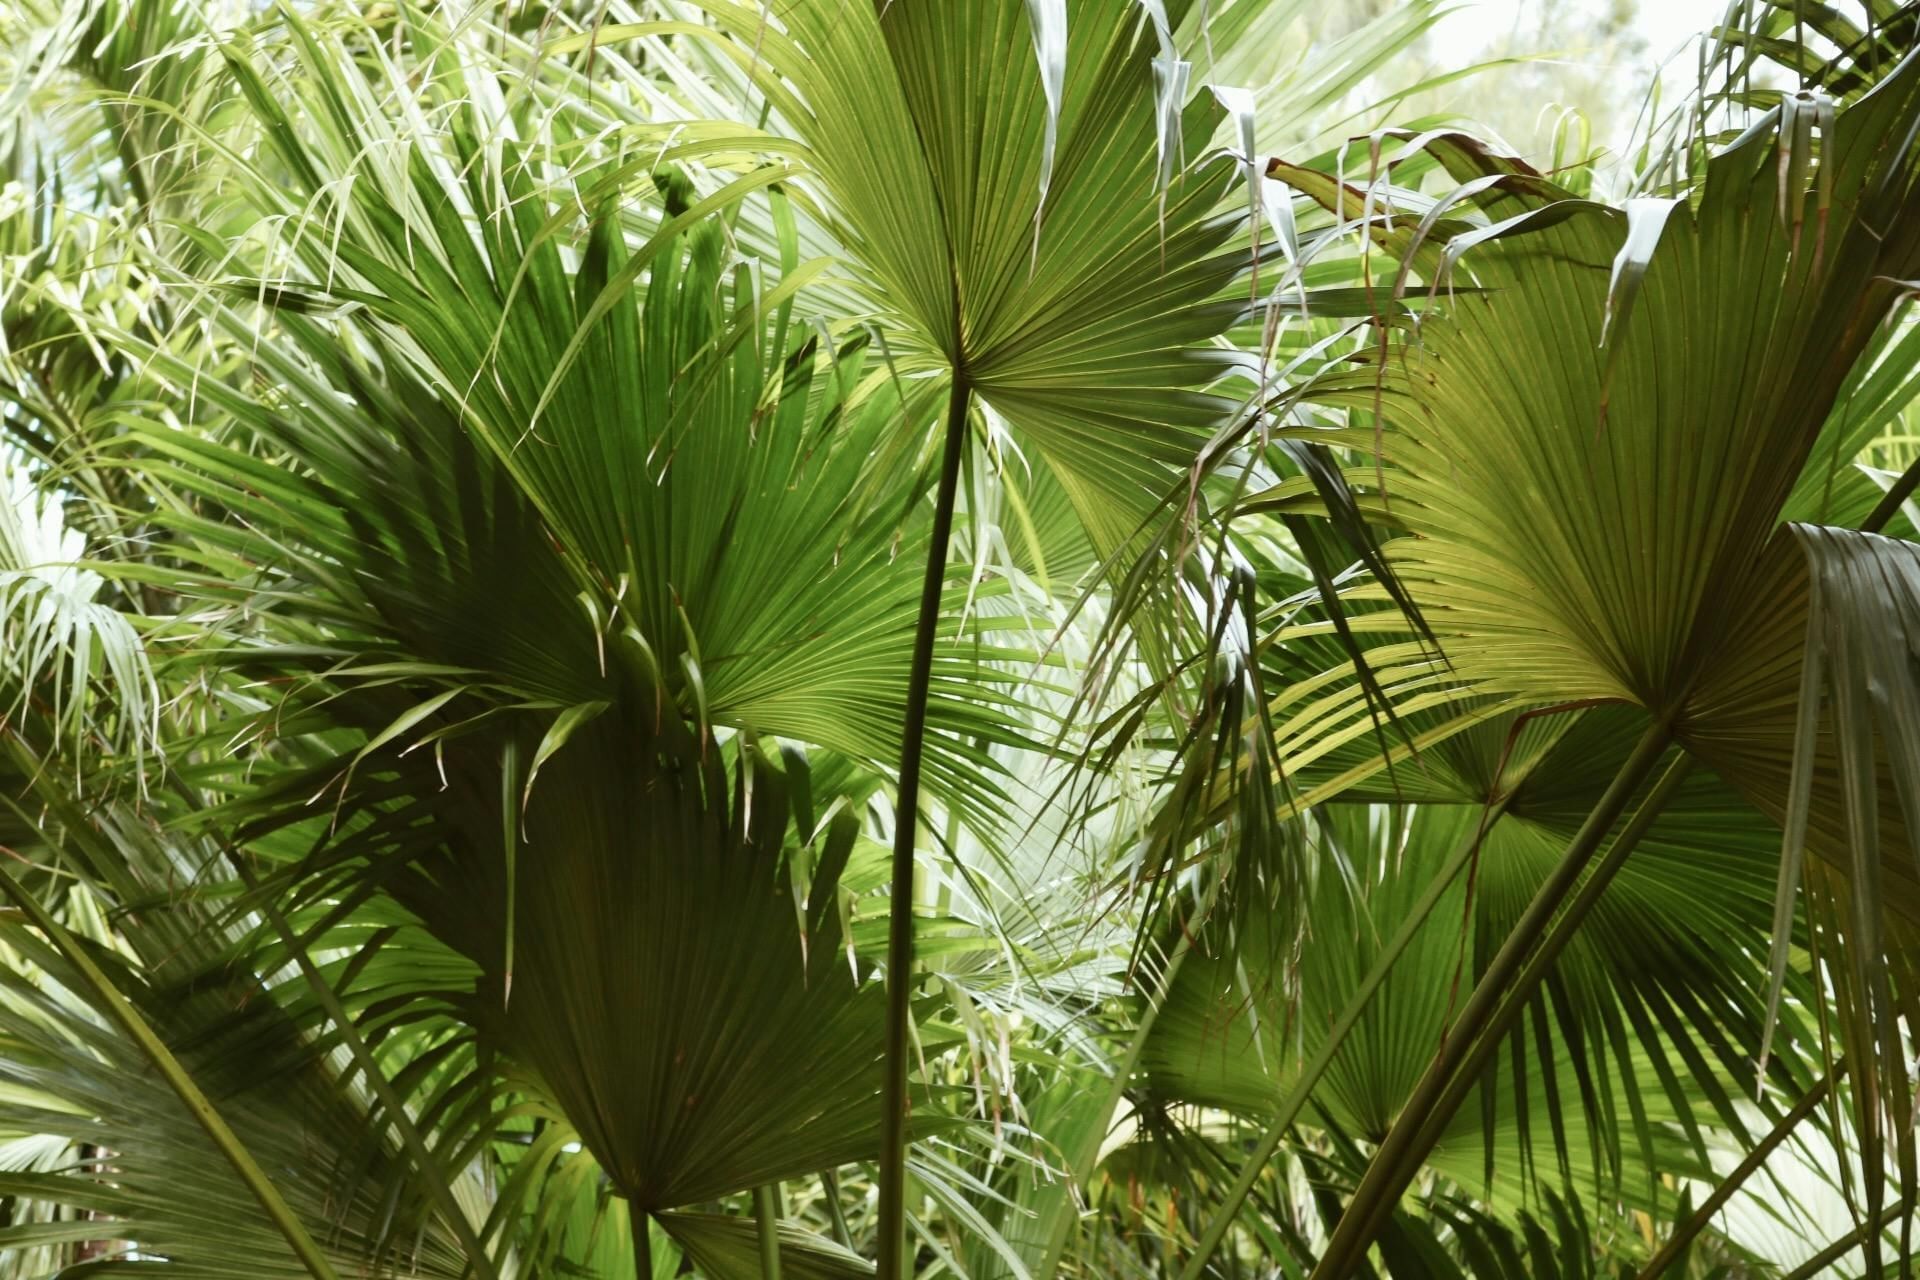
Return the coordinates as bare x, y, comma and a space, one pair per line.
1095, 1131
1397, 1159
892, 1241
641, 1230
1683, 1236
766, 1205
1263, 1152
1876, 1222
438, 1183
1465, 1075
1890, 503
836, 1212
177, 1078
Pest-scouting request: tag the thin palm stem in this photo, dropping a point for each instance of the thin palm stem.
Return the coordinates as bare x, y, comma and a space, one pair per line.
890, 1240
177, 1078
1693, 1226
1520, 992
439, 1183
642, 1235
1256, 1161
766, 1211
1876, 1222
1388, 1173
836, 1212
1890, 502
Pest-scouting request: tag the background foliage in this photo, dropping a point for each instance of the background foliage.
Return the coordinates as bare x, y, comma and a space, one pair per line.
1421, 727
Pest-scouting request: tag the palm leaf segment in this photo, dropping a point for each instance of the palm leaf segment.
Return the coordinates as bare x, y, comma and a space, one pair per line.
1590, 522
1635, 1035
1595, 450
1043, 234
1595, 453
129, 1162
577, 524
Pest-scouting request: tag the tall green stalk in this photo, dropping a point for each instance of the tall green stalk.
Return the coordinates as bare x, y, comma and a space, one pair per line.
1684, 1234
642, 1242
836, 1213
1875, 1223
1256, 1161
766, 1211
122, 1011
1514, 1000
1495, 1005
440, 1183
1890, 501
890, 1240
1080, 1160
1388, 1174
